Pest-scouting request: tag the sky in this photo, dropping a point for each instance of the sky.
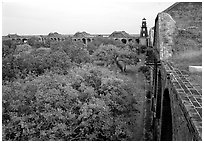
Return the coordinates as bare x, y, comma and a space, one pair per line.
35, 17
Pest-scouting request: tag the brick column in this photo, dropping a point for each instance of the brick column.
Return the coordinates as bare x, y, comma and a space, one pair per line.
166, 31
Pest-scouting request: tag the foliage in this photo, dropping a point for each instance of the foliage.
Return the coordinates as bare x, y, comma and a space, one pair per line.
91, 48
24, 48
8, 47
36, 61
150, 55
21, 60
89, 103
57, 93
8, 72
142, 49
107, 53
134, 47
104, 41
74, 50
146, 71
34, 42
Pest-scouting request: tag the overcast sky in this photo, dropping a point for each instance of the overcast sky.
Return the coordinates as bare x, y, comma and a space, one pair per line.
70, 16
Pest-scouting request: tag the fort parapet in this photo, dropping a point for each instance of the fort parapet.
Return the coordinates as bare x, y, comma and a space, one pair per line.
176, 102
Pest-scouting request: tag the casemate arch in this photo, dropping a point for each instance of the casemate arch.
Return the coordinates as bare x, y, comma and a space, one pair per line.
166, 126
124, 41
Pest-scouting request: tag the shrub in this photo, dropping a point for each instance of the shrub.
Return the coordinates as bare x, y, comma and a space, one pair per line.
76, 51
8, 71
104, 41
107, 53
8, 47
91, 48
35, 61
34, 42
142, 49
24, 48
89, 103
146, 71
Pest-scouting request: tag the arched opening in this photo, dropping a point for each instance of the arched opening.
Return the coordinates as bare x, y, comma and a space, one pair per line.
84, 40
58, 39
24, 40
55, 39
137, 40
124, 41
75, 39
166, 124
88, 40
129, 40
51, 38
158, 106
116, 39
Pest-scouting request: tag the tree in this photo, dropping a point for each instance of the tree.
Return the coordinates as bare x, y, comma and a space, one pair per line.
76, 52
8, 47
34, 42
90, 103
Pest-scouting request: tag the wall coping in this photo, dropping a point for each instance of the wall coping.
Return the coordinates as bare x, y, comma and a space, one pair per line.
189, 98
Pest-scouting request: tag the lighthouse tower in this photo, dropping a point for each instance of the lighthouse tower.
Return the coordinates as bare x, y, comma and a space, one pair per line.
143, 32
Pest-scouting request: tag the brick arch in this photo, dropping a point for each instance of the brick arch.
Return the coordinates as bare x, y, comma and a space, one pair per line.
124, 41
159, 93
24, 40
166, 122
88, 40
84, 40
129, 40
137, 41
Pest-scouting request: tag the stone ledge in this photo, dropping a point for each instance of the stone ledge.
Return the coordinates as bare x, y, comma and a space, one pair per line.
190, 100
195, 69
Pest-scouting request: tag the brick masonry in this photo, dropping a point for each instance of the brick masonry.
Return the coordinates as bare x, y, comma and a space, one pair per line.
186, 103
185, 97
166, 31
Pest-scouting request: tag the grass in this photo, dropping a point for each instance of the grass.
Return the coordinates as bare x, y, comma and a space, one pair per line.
138, 81
188, 58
